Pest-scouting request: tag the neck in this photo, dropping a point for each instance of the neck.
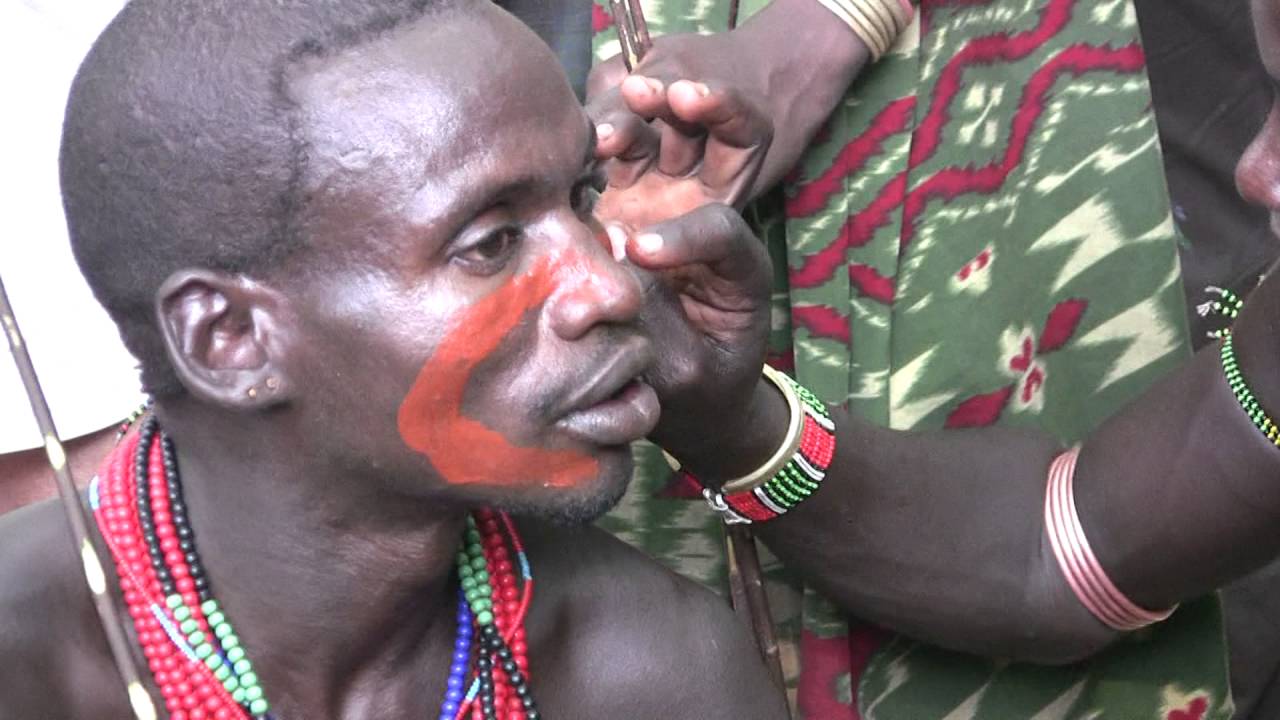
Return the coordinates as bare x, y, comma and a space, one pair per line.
337, 591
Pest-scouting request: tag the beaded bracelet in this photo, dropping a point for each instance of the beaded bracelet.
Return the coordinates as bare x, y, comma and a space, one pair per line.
780, 490
790, 443
1244, 396
1228, 307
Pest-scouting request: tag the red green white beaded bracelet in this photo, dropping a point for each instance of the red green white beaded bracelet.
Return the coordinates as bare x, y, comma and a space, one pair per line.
808, 455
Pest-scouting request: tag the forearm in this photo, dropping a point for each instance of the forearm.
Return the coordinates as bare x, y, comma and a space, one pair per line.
941, 535
937, 535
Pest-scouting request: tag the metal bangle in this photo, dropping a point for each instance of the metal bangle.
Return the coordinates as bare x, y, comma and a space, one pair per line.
861, 27
790, 443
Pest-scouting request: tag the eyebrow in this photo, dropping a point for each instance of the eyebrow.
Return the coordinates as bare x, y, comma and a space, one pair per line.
485, 194
528, 181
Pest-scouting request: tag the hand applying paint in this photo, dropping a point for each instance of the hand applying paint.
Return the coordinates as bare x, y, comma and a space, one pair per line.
709, 312
708, 317
709, 148
791, 56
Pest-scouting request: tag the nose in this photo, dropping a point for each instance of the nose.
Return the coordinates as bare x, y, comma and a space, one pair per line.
1258, 172
592, 288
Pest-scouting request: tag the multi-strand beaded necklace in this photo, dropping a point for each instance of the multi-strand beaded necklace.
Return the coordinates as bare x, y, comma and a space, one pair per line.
196, 659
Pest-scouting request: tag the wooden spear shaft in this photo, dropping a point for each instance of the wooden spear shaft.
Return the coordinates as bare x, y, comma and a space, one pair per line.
78, 521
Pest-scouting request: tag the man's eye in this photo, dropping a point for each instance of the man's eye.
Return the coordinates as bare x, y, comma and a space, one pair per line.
490, 254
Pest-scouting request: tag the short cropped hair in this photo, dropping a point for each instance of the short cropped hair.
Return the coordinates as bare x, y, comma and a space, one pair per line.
181, 148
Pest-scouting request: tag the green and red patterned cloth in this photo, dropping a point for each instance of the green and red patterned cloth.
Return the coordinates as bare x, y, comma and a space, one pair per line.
981, 234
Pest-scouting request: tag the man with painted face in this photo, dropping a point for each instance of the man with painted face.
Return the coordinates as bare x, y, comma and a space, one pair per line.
352, 245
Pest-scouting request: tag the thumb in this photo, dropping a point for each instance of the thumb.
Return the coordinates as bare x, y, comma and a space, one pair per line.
714, 235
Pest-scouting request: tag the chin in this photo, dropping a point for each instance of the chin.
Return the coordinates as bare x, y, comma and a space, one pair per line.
579, 505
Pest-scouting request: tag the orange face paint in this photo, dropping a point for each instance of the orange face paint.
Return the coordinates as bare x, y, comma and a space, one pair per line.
463, 450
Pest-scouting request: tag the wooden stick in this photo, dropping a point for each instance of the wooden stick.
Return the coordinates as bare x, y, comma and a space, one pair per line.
738, 599
633, 31
746, 581
109, 615
639, 28
623, 23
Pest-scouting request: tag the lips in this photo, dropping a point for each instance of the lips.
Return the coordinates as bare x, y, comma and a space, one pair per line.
615, 407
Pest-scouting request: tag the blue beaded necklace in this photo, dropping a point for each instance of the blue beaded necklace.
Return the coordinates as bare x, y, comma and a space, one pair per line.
454, 688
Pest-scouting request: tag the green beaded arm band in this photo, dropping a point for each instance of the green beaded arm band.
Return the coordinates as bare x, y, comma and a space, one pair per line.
1244, 396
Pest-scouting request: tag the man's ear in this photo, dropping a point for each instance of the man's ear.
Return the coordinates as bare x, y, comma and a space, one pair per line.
225, 338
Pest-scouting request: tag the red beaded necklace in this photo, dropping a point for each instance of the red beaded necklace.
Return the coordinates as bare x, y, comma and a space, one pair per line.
193, 654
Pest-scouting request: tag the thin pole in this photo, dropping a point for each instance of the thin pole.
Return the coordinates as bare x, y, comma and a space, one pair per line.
633, 31
108, 613
746, 586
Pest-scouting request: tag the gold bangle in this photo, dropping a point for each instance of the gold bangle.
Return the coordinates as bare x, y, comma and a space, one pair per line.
902, 14
873, 12
790, 442
789, 447
860, 27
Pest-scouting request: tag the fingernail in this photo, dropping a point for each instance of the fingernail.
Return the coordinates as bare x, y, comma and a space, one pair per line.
654, 84
604, 130
617, 241
649, 243
702, 89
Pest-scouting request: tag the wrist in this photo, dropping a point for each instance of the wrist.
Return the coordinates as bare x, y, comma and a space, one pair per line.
810, 43
805, 59
743, 445
791, 474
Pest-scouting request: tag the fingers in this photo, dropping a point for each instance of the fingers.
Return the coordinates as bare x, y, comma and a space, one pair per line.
627, 140
738, 134
683, 129
718, 133
679, 152
713, 235
726, 114
647, 97
620, 132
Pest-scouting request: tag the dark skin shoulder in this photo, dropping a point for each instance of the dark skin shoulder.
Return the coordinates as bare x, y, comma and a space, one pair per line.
24, 475
634, 627
648, 643
57, 663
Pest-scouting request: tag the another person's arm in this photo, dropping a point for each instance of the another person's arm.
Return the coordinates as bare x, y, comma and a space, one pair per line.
941, 534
